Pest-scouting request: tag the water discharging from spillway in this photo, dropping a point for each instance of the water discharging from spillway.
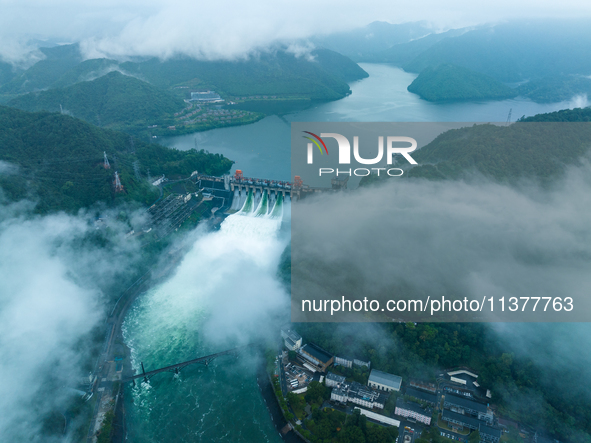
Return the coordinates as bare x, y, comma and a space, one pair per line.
224, 293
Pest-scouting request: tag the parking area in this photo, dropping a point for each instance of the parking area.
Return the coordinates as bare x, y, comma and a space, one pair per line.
296, 376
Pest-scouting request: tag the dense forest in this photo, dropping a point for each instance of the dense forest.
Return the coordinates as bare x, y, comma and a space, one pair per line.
57, 161
508, 153
322, 75
555, 88
113, 100
282, 74
514, 51
565, 115
453, 83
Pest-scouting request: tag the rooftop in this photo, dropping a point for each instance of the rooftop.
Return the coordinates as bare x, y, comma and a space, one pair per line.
335, 377
386, 379
465, 403
485, 429
466, 419
412, 406
317, 352
421, 395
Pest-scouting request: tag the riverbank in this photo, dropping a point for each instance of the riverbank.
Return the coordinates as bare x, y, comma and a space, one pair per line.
270, 398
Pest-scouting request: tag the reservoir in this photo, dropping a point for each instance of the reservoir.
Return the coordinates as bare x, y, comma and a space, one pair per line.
263, 148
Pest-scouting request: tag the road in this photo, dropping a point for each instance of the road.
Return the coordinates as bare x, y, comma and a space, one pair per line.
105, 367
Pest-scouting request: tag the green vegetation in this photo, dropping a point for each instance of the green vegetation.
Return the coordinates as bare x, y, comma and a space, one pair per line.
328, 425
532, 150
298, 404
86, 71
279, 74
555, 89
453, 83
59, 162
565, 115
356, 373
106, 430
110, 94
539, 151
114, 100
370, 39
521, 389
58, 60
513, 52
402, 53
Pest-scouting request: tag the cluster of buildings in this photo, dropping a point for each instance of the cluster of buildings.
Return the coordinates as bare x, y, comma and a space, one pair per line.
372, 396
461, 409
205, 96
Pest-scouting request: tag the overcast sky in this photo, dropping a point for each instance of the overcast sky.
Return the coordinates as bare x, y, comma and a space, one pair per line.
228, 28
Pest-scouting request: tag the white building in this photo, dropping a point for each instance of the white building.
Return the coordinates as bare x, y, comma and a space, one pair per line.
384, 381
333, 380
291, 339
343, 361
358, 394
206, 96
357, 362
378, 417
414, 411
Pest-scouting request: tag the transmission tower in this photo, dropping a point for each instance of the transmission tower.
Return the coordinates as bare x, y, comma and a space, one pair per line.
118, 185
131, 144
106, 161
509, 116
136, 170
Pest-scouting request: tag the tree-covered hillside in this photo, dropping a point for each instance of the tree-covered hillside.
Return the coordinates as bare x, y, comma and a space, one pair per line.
320, 75
56, 62
114, 100
556, 88
565, 115
57, 161
281, 73
515, 51
453, 83
521, 150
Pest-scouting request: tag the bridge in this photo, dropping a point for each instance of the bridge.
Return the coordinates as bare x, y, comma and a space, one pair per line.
176, 368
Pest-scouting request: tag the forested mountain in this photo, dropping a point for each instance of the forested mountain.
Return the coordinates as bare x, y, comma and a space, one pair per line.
320, 76
515, 51
402, 53
370, 39
565, 115
86, 71
114, 100
57, 161
282, 74
556, 88
58, 60
453, 83
521, 150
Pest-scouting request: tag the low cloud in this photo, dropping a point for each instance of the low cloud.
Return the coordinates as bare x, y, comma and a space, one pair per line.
413, 238
52, 299
231, 30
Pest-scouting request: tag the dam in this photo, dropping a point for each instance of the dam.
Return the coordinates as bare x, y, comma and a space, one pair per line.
246, 193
